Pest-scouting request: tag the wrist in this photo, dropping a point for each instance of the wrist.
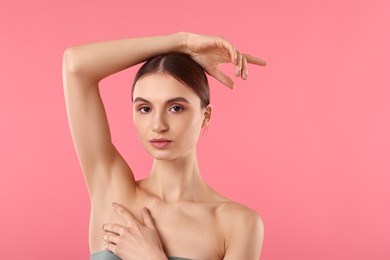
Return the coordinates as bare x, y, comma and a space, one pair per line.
182, 38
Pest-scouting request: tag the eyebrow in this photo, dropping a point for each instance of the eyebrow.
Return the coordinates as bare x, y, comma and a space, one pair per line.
172, 100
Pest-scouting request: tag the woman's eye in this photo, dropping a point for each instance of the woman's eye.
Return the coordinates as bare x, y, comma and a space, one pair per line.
144, 109
176, 109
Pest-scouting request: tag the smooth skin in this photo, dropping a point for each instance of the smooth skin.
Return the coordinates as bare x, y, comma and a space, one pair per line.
172, 212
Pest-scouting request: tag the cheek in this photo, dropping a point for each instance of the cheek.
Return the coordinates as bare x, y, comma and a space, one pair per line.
139, 125
189, 127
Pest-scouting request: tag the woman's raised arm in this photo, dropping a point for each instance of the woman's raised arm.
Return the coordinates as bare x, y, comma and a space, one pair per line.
83, 67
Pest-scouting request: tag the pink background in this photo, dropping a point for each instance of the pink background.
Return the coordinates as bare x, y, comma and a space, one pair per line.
305, 141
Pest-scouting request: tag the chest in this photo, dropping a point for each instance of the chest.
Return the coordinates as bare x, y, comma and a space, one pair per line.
193, 231
185, 229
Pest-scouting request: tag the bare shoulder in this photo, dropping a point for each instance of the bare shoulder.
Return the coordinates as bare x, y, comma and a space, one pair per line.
231, 213
243, 230
234, 215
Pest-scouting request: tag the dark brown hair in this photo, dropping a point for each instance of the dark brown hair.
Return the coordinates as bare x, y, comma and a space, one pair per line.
182, 67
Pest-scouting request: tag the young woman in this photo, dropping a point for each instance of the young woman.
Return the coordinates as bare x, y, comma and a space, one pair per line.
172, 212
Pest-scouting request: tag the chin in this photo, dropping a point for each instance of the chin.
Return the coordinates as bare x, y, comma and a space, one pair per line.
167, 155
163, 157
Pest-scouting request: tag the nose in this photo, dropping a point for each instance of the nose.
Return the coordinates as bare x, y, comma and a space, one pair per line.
159, 123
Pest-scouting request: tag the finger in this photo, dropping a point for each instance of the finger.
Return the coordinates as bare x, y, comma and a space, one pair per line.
244, 71
239, 64
111, 247
111, 238
234, 55
124, 214
231, 48
148, 220
114, 228
254, 60
222, 78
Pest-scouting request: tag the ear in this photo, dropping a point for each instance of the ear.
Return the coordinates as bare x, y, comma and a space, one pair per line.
206, 116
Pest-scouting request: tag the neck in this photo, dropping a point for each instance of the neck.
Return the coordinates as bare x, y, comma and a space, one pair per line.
178, 179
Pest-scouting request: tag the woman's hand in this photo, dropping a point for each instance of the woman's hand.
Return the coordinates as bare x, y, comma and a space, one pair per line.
211, 51
135, 240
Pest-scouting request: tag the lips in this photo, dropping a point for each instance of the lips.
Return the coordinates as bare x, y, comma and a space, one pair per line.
160, 143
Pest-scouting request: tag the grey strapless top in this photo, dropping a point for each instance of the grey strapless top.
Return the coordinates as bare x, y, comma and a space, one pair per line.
108, 255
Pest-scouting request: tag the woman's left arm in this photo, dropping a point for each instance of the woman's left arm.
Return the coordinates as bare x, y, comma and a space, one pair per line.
135, 240
245, 238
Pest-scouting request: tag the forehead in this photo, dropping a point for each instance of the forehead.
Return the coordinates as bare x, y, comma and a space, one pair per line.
161, 87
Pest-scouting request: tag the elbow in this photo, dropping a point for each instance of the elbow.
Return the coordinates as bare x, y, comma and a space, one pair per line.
70, 61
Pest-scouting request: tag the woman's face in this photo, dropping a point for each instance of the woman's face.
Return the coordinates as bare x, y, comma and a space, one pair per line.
167, 116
